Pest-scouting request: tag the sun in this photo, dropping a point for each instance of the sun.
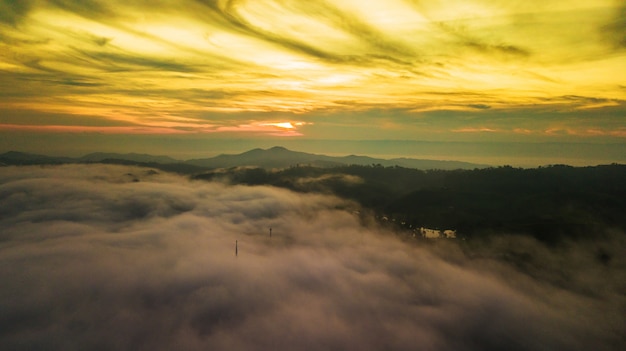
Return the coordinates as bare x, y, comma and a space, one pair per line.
284, 125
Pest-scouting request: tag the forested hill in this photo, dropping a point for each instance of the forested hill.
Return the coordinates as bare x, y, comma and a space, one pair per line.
550, 203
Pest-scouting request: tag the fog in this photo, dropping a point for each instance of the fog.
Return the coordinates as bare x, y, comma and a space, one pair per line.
121, 258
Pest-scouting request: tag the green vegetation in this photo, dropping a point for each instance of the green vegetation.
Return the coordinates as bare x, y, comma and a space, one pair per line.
549, 203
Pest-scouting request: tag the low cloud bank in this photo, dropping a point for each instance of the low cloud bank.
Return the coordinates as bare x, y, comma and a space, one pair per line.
110, 257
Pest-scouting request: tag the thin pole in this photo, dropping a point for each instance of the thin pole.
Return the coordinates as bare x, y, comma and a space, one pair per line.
236, 248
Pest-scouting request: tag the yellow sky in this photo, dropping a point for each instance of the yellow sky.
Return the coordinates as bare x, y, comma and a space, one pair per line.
315, 68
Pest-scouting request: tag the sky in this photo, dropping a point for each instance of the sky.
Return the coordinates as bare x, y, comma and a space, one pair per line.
80, 76
119, 258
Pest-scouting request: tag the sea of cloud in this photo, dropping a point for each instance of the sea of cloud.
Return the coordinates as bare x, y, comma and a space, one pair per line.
96, 257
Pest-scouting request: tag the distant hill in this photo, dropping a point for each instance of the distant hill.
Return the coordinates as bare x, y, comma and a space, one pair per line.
145, 158
280, 157
179, 167
23, 158
275, 157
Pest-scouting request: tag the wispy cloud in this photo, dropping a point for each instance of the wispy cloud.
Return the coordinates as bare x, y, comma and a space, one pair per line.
475, 130
259, 128
305, 57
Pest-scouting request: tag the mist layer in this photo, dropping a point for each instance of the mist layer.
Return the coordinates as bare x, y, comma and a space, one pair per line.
111, 257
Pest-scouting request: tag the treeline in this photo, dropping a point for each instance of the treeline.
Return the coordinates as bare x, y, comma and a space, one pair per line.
549, 203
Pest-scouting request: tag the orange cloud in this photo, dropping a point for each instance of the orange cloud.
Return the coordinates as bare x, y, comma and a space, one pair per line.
91, 129
522, 131
475, 130
268, 128
285, 125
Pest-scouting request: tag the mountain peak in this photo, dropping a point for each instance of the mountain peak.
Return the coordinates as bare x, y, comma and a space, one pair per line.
277, 148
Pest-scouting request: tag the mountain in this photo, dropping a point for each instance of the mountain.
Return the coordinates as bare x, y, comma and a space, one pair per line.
275, 157
280, 157
23, 158
144, 158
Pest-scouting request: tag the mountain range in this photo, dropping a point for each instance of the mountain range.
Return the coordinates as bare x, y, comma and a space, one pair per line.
275, 157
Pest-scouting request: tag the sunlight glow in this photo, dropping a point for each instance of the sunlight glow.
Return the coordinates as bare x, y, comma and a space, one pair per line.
286, 125
224, 63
